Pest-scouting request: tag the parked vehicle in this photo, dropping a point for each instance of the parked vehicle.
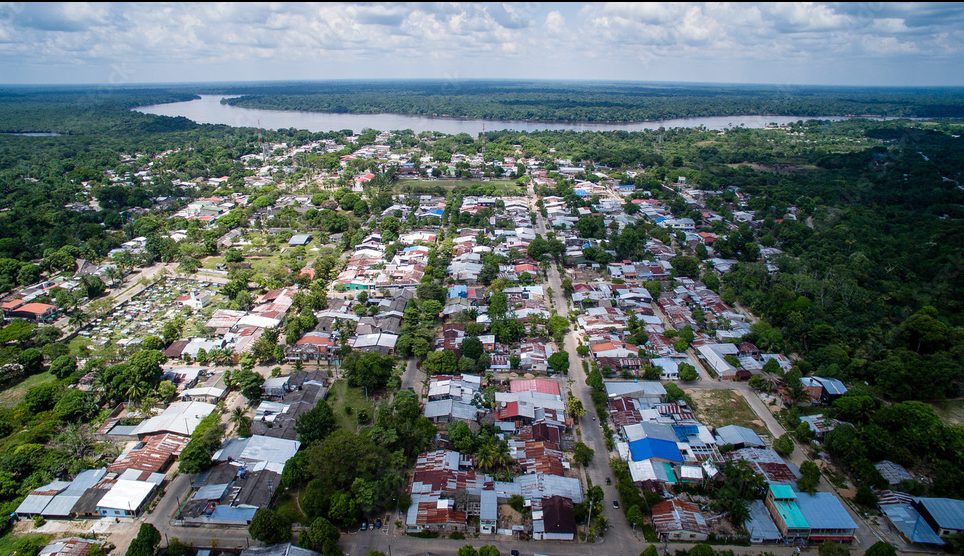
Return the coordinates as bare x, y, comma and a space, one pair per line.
616, 504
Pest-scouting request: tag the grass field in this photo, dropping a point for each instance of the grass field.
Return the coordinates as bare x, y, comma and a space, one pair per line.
287, 506
716, 408
13, 395
492, 187
342, 396
8, 541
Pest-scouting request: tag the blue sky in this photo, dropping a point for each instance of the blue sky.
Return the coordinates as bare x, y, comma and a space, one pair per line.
800, 43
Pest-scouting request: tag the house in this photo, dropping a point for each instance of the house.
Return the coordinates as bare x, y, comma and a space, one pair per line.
126, 498
276, 386
73, 546
488, 512
553, 519
286, 549
944, 515
714, 355
655, 449
36, 312
677, 520
823, 390
179, 418
815, 518
760, 525
299, 239
738, 437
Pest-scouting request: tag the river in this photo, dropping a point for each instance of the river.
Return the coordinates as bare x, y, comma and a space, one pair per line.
209, 110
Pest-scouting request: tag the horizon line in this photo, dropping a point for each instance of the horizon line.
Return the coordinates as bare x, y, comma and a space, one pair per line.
160, 84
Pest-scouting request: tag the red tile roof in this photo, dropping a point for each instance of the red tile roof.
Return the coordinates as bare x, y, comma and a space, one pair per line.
541, 385
36, 308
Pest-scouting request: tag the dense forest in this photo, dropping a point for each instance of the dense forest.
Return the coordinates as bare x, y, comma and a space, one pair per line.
590, 101
39, 176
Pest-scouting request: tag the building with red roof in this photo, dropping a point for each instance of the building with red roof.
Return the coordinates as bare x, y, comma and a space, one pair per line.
540, 385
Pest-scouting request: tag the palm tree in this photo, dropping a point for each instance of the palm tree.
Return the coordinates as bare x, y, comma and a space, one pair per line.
136, 390
241, 421
78, 318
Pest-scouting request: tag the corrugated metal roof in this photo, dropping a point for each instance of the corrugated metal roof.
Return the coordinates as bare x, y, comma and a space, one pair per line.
33, 504
947, 512
179, 417
760, 525
823, 510
910, 523
489, 506
61, 505
737, 435
211, 492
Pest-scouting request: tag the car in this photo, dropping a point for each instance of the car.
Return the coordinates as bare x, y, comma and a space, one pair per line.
378, 523
514, 552
616, 504
364, 526
609, 481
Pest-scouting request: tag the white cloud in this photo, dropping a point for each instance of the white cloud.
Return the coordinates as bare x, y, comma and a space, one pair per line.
654, 41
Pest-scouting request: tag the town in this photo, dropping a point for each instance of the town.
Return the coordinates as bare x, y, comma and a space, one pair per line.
386, 341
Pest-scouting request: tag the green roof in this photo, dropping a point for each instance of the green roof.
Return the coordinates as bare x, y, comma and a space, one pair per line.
791, 514
782, 492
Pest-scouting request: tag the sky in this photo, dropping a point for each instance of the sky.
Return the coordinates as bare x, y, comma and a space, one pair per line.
905, 44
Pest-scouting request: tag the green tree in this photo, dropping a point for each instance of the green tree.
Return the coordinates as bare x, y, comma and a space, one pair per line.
649, 551
829, 548
146, 542
343, 511
461, 437
687, 372
63, 366
315, 424
269, 527
441, 362
471, 347
574, 407
784, 445
468, 550
488, 550
881, 548
40, 398
810, 477
559, 362
32, 361
321, 536
369, 370
686, 266
583, 454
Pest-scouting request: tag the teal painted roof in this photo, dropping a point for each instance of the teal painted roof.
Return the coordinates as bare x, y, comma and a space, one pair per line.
791, 514
670, 474
782, 492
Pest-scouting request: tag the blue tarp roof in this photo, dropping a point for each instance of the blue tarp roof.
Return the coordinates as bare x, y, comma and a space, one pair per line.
646, 448
581, 192
683, 432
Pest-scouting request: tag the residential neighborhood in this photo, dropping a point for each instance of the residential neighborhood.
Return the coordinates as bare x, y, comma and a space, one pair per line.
400, 347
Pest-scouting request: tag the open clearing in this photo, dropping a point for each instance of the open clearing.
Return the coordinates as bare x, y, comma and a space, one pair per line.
717, 408
13, 395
